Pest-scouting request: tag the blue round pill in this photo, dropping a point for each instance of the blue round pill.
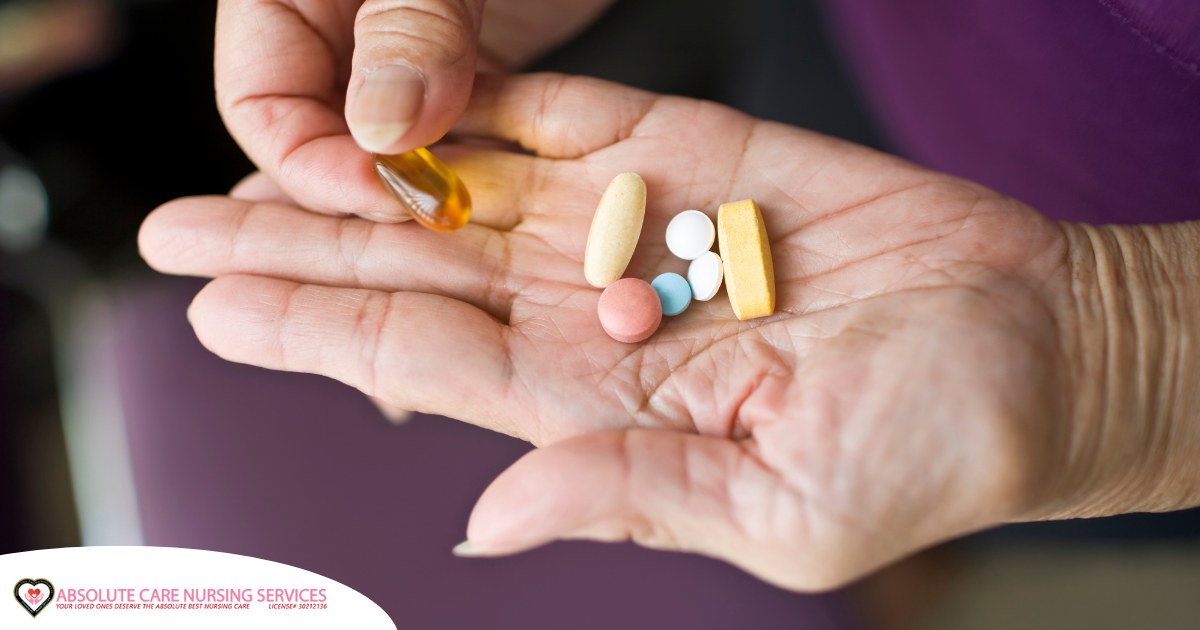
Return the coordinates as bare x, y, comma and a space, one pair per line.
674, 292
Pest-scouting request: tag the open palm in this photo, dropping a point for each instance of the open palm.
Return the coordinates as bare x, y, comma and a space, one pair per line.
911, 385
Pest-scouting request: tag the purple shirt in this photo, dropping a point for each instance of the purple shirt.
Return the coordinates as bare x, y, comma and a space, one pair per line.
1088, 110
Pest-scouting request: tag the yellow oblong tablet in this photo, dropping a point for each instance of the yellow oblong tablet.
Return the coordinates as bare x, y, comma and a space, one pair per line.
615, 229
746, 252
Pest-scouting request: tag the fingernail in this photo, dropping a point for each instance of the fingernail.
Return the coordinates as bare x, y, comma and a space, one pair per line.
188, 314
465, 549
386, 106
394, 414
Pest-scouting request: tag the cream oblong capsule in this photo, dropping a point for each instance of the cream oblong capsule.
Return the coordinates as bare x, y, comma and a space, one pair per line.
616, 227
749, 272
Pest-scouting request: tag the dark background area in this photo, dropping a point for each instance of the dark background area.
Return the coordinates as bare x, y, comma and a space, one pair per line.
112, 142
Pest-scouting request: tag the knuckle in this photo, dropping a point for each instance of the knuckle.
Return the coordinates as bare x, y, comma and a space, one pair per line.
421, 29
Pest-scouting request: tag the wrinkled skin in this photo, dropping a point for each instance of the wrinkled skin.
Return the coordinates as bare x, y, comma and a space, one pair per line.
288, 73
911, 386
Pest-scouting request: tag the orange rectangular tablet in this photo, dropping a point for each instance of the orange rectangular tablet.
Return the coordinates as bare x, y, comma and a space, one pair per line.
746, 252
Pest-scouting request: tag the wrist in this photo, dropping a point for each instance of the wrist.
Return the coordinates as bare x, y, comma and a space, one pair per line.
1135, 354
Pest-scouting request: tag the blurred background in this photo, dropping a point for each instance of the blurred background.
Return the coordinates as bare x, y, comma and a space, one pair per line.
116, 427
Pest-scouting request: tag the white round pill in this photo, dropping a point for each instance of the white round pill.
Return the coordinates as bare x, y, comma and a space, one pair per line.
690, 234
705, 275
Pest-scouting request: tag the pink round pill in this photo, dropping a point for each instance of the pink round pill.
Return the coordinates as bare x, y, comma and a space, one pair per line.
629, 310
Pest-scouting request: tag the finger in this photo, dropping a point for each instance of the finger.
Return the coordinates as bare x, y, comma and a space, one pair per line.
504, 186
215, 236
258, 187
554, 115
662, 489
280, 89
414, 350
414, 62
394, 414
515, 32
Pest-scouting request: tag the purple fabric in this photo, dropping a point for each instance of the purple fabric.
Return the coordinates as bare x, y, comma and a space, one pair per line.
303, 470
1088, 110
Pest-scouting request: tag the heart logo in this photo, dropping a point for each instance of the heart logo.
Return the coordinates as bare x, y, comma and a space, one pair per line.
32, 597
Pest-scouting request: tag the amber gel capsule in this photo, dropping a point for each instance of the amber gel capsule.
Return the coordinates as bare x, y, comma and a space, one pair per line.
426, 187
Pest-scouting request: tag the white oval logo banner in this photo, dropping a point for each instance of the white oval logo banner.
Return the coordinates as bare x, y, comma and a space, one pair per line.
163, 587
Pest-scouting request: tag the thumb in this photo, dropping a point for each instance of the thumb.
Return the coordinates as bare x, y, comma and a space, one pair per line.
413, 66
662, 489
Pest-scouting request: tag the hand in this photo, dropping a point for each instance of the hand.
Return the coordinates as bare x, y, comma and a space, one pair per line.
402, 71
920, 379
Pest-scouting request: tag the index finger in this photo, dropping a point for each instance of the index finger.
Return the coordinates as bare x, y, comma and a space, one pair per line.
554, 115
281, 74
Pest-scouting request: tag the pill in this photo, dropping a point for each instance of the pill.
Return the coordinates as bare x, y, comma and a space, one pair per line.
746, 252
629, 310
615, 229
674, 293
427, 188
690, 234
705, 275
